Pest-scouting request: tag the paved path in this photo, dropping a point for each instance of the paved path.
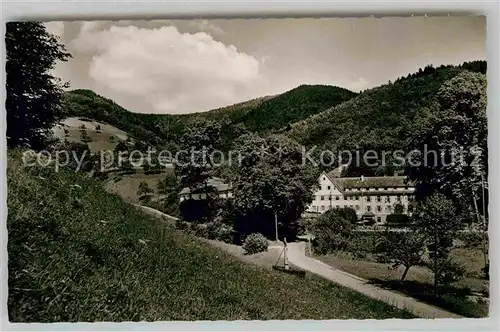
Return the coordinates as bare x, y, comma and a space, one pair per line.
296, 256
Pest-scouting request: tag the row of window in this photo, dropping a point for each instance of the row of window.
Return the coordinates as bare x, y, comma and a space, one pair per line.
387, 199
370, 189
378, 208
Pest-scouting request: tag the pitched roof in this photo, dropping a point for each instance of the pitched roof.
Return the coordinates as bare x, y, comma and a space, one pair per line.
380, 183
372, 182
214, 182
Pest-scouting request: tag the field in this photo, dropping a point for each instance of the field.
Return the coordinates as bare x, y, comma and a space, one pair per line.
126, 186
105, 139
78, 253
467, 297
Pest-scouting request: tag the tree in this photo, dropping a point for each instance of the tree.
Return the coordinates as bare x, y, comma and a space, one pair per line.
399, 208
347, 213
436, 218
33, 94
168, 189
194, 166
453, 131
272, 185
402, 249
331, 232
144, 192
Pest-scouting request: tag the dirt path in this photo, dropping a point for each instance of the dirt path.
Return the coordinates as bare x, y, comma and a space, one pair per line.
296, 256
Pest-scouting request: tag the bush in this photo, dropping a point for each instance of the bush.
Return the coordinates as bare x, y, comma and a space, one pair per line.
448, 272
471, 239
331, 232
397, 219
255, 243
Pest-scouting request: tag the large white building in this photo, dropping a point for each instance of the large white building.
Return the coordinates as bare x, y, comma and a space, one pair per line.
371, 197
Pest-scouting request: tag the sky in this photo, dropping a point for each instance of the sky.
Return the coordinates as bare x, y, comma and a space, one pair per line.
184, 66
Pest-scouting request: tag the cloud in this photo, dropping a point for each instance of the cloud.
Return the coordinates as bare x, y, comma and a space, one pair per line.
55, 28
358, 85
205, 26
172, 72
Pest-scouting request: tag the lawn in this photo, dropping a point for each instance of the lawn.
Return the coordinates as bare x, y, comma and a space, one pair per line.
418, 282
78, 253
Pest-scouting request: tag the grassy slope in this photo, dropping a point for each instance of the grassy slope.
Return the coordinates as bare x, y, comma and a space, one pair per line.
100, 259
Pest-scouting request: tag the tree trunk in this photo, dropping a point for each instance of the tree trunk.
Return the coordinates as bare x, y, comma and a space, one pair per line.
404, 273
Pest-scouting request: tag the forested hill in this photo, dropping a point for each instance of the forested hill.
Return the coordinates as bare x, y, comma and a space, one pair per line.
276, 112
261, 115
382, 117
321, 115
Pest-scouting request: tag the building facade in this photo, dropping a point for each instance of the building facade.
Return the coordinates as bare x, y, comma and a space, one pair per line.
372, 198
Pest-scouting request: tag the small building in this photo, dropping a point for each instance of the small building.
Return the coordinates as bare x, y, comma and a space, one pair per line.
371, 197
223, 189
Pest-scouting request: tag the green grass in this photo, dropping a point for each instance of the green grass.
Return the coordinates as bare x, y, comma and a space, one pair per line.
83, 254
418, 282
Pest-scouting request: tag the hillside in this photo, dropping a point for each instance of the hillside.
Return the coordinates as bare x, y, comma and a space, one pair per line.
77, 253
382, 117
275, 112
264, 114
99, 136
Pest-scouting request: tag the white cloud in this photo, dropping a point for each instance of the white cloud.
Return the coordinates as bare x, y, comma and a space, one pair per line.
358, 85
55, 28
171, 71
205, 26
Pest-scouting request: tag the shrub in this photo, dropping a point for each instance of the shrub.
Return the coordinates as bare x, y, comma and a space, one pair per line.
448, 272
331, 232
471, 239
397, 219
255, 243
182, 225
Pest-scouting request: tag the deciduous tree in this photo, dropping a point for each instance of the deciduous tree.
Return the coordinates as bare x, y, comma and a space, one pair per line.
33, 93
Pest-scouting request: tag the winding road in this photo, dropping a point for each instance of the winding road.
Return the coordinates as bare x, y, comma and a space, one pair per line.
296, 256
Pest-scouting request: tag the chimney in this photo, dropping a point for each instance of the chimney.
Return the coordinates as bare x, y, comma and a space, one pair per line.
362, 178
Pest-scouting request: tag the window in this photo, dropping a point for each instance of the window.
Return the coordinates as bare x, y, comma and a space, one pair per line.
337, 198
379, 219
324, 178
368, 208
368, 198
387, 199
410, 208
388, 208
385, 188
379, 208
322, 208
357, 207
398, 198
322, 198
379, 198
356, 198
328, 187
